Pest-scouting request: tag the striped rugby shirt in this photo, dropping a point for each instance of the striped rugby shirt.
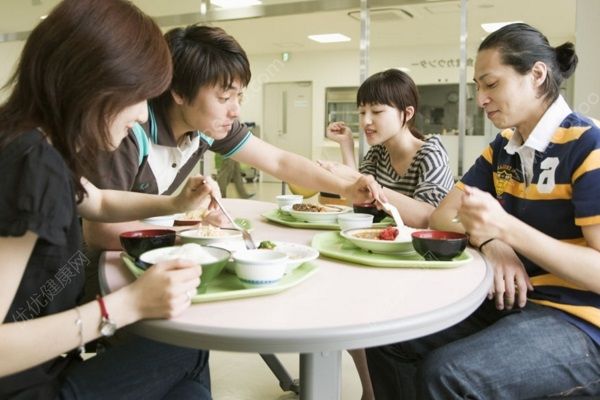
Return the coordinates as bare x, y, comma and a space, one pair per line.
558, 196
427, 179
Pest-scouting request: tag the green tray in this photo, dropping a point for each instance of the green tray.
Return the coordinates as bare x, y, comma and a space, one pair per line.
286, 219
331, 244
227, 286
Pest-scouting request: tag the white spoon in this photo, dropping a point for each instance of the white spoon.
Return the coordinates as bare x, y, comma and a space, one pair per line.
391, 209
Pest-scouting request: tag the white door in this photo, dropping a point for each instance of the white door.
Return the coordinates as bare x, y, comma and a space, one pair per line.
287, 118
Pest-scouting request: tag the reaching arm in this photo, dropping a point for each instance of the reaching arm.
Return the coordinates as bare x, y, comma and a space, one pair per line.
159, 293
299, 170
117, 206
105, 236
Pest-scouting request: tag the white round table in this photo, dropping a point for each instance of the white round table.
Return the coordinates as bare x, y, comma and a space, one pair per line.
342, 306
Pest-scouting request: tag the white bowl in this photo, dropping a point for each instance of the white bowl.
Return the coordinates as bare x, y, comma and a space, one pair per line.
211, 235
260, 267
354, 221
328, 215
297, 254
192, 252
401, 244
163, 220
288, 199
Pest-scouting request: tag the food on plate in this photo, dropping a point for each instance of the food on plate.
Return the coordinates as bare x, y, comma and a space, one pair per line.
308, 207
209, 231
266, 244
388, 233
189, 251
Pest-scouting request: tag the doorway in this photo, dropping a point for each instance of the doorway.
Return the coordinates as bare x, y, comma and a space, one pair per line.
287, 118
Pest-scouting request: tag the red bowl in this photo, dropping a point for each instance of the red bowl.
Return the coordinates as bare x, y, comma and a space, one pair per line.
439, 245
140, 241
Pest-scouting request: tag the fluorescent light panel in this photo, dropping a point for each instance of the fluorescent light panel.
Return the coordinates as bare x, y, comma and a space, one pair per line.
235, 3
329, 38
494, 26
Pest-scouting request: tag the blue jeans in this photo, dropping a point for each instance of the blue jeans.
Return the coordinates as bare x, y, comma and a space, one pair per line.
140, 369
520, 354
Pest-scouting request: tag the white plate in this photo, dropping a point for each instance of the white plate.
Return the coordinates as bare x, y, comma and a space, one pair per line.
163, 220
328, 216
402, 243
297, 254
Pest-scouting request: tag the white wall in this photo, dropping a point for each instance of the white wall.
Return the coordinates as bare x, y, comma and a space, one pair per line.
586, 95
340, 68
9, 54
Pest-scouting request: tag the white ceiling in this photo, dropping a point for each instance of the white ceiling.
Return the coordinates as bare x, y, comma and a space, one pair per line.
433, 22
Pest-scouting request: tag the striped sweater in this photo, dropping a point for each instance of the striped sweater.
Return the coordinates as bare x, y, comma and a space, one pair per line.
427, 179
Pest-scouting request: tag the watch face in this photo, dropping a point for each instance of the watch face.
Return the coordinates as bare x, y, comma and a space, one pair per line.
107, 327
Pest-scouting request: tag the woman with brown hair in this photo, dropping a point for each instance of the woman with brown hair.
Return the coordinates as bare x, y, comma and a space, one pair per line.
83, 79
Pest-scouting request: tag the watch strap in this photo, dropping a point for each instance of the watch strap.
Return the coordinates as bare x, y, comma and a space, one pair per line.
107, 326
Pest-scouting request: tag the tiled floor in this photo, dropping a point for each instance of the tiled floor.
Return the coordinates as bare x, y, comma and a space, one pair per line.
244, 376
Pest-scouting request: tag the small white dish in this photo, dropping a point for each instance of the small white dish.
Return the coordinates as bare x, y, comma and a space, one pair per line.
288, 200
297, 254
260, 267
354, 221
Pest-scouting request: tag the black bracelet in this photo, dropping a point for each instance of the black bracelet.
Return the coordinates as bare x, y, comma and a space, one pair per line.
480, 248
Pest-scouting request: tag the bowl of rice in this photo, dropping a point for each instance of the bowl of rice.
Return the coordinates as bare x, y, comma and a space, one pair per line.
212, 260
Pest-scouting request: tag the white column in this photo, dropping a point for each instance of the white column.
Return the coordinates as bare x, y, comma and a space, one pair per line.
586, 94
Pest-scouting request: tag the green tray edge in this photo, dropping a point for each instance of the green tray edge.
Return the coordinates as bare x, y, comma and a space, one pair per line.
293, 278
321, 242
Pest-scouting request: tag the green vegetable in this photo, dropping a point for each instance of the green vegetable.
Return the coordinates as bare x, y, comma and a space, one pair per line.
265, 244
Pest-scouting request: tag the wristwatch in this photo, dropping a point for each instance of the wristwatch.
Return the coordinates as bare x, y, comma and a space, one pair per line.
107, 325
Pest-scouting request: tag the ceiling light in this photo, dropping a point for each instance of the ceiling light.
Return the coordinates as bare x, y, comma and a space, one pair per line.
43, 17
235, 3
329, 38
494, 26
403, 69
